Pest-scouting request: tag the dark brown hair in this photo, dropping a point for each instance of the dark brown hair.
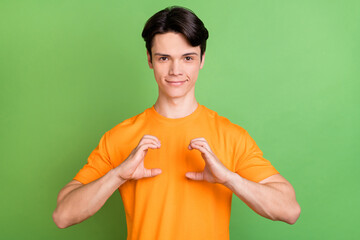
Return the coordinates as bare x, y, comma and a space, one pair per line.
176, 19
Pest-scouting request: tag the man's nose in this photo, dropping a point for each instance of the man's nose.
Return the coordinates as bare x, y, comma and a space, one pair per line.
175, 68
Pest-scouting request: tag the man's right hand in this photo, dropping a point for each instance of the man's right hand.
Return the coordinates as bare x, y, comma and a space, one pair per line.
133, 166
77, 202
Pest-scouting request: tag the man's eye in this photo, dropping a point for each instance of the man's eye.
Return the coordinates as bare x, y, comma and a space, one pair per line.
188, 58
163, 58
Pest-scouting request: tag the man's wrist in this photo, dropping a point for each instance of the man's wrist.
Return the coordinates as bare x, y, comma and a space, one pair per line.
233, 180
116, 174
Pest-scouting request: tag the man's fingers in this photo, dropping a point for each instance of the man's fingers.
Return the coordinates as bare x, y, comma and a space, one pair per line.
152, 172
200, 138
201, 143
202, 149
147, 141
149, 137
146, 146
155, 171
198, 176
140, 152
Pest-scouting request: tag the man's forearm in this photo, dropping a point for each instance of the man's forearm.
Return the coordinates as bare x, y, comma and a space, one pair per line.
77, 204
275, 200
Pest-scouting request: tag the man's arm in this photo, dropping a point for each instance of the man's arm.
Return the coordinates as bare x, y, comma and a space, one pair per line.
273, 197
77, 202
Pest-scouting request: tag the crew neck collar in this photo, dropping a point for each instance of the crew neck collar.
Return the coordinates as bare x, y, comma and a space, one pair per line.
157, 116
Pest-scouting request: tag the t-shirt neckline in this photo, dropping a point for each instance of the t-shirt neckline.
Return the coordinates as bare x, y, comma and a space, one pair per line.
157, 116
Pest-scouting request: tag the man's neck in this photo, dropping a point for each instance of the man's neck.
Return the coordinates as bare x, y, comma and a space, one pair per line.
175, 108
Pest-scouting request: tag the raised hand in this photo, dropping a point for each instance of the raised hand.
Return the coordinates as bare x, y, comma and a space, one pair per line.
133, 166
214, 171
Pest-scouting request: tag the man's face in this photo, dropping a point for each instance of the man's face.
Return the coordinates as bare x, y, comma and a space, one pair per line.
176, 64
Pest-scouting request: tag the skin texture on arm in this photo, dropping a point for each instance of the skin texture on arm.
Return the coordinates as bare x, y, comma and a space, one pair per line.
273, 197
76, 202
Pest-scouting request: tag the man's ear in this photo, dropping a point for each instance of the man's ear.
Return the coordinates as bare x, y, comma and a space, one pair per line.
149, 59
202, 61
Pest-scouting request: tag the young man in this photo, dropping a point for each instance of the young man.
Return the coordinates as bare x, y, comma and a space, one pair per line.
177, 164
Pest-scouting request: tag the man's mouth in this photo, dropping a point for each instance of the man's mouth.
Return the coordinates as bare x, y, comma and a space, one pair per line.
175, 83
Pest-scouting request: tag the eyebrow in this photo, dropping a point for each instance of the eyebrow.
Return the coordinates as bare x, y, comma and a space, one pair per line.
167, 55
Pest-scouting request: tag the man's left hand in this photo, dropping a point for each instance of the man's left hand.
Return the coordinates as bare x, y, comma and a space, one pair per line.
214, 171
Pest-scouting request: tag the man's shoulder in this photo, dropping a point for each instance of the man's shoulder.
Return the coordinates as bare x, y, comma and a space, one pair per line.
131, 123
223, 122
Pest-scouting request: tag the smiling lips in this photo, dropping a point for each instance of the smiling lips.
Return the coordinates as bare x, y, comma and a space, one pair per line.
175, 83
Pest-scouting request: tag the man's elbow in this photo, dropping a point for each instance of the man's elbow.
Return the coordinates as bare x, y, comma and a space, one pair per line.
58, 220
293, 214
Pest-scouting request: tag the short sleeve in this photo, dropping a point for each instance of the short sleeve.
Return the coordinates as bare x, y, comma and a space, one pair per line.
98, 163
250, 162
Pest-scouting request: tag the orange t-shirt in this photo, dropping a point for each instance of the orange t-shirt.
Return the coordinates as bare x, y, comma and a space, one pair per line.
170, 206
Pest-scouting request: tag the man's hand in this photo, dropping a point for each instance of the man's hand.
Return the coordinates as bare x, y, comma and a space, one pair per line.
133, 166
214, 171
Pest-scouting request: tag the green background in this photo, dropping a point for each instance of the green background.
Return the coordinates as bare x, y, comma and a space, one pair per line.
286, 71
